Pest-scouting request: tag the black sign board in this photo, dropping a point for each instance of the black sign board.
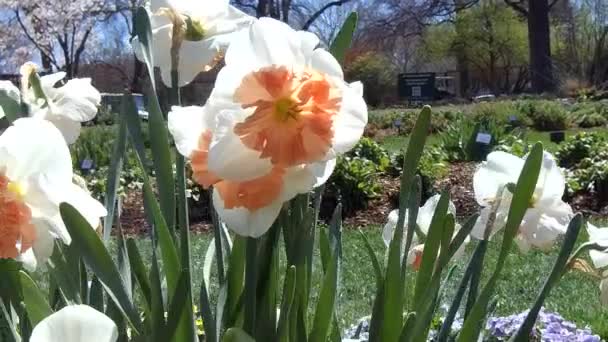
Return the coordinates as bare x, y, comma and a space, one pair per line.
417, 87
557, 137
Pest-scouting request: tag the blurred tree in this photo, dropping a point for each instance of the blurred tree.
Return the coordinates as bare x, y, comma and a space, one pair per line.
491, 38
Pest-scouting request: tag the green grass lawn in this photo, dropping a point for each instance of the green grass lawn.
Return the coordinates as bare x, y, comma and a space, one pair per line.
576, 297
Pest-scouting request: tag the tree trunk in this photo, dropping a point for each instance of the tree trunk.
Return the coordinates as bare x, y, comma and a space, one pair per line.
539, 40
464, 79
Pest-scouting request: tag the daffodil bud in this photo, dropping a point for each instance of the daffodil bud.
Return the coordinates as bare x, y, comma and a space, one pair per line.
31, 80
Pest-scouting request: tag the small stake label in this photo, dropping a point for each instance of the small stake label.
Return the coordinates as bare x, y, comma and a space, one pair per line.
483, 138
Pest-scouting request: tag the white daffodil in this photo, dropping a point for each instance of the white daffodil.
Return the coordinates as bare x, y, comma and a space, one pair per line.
599, 257
423, 221
75, 323
195, 32
547, 216
66, 106
277, 118
35, 177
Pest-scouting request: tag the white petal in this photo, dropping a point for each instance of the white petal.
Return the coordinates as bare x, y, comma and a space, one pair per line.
297, 180
269, 42
68, 127
309, 41
42, 248
229, 158
389, 227
540, 230
322, 171
75, 323
426, 212
77, 100
599, 258
229, 22
326, 63
478, 231
193, 59
48, 82
30, 147
597, 235
500, 169
551, 182
86, 205
245, 222
350, 122
186, 125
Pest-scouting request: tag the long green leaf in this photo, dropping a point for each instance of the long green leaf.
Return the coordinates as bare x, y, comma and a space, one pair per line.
35, 304
524, 190
523, 334
120, 147
345, 36
250, 291
325, 305
235, 278
209, 322
99, 261
286, 304
10, 107
374, 259
474, 266
159, 136
157, 311
63, 274
139, 271
180, 312
171, 262
392, 316
431, 248
11, 320
268, 284
96, 298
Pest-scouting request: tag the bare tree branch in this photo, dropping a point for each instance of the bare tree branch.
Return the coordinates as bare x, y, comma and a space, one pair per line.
517, 5
552, 3
318, 13
47, 53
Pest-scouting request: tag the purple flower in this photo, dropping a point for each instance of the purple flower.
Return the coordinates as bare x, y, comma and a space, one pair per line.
549, 327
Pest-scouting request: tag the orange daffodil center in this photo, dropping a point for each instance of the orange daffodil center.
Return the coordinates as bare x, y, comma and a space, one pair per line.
253, 194
17, 233
293, 114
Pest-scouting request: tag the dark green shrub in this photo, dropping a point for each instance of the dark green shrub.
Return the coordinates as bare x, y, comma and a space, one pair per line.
590, 114
353, 183
432, 167
368, 149
105, 116
95, 143
513, 144
546, 115
578, 147
459, 143
591, 174
377, 75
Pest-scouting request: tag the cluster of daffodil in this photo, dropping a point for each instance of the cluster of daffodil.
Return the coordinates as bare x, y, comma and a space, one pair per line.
268, 136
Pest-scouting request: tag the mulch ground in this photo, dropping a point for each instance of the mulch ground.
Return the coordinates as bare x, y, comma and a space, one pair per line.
459, 182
